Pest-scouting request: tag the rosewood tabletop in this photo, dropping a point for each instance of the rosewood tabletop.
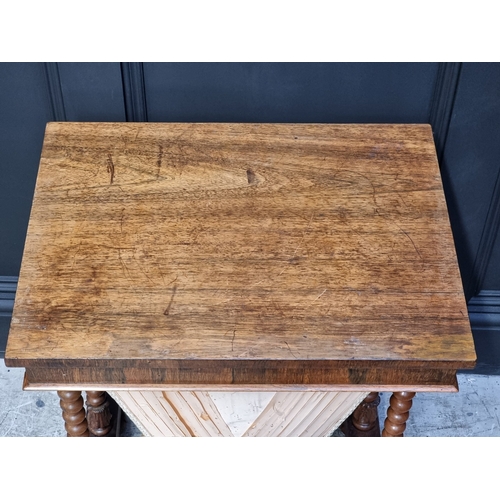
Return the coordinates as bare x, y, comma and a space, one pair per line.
306, 256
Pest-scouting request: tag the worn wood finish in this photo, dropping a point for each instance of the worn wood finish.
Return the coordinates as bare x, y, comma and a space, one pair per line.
397, 414
248, 376
75, 421
239, 254
99, 416
364, 421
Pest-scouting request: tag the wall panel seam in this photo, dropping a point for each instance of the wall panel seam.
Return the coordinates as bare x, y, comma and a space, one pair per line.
55, 91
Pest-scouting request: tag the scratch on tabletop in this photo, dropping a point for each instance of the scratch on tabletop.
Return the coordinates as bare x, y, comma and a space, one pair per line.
167, 310
232, 340
111, 168
320, 294
412, 242
402, 230
290, 349
162, 276
403, 200
158, 162
173, 281
142, 269
126, 270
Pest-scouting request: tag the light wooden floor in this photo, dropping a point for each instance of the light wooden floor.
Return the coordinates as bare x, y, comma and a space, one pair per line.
474, 411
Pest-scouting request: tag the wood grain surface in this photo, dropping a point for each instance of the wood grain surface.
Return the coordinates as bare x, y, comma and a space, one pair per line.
205, 414
189, 247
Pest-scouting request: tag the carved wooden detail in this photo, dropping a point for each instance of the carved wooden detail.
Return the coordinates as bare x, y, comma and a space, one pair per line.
364, 421
73, 413
365, 416
98, 413
397, 414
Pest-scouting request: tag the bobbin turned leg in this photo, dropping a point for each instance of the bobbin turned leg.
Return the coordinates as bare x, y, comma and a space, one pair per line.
73, 413
397, 414
364, 422
98, 413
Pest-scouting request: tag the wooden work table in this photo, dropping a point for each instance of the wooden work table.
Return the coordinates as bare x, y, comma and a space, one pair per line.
239, 257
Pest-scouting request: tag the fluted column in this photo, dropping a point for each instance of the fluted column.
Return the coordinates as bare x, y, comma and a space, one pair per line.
98, 413
364, 422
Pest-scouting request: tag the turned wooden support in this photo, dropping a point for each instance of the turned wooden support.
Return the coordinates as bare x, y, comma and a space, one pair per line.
98, 413
364, 422
365, 416
73, 413
397, 414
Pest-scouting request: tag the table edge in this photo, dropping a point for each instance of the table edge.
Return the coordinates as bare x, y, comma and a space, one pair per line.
29, 386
